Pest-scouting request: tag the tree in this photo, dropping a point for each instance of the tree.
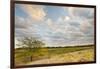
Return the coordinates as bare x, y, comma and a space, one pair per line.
30, 45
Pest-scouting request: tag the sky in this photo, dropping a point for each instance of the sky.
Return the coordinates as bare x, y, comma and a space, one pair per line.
55, 25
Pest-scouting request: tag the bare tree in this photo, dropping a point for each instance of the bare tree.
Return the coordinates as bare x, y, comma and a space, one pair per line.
31, 45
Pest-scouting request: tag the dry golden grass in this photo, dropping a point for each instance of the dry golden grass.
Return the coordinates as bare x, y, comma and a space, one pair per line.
77, 56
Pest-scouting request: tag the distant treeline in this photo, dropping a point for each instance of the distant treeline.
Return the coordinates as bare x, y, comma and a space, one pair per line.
70, 46
61, 46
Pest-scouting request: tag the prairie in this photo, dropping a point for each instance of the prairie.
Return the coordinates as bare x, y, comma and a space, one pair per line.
49, 55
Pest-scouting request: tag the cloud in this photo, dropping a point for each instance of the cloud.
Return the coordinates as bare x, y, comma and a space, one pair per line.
76, 28
83, 18
78, 12
67, 18
36, 12
21, 22
52, 25
85, 26
73, 29
24, 27
84, 12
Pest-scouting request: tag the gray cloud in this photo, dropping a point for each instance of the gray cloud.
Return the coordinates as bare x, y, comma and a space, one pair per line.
23, 23
24, 27
76, 28
84, 12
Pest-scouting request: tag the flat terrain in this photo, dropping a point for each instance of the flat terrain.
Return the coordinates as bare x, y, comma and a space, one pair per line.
56, 55
78, 56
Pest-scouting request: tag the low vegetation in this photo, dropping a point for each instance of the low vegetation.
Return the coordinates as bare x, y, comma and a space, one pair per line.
32, 51
79, 53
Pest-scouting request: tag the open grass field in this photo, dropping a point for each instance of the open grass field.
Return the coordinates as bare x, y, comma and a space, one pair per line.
49, 55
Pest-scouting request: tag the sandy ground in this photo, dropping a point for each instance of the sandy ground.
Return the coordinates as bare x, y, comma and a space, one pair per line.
78, 56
